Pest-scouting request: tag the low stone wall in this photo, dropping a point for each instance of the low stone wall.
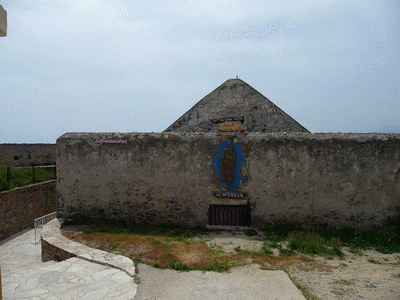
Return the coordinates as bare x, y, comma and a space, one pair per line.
17, 155
53, 252
55, 246
211, 178
19, 207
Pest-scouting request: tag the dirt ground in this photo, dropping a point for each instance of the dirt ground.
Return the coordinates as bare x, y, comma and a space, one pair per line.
368, 275
371, 275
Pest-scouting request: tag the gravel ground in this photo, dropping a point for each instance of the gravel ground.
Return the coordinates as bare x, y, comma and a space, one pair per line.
371, 275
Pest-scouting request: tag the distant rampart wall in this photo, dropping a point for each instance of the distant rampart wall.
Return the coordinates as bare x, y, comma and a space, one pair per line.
332, 179
19, 207
16, 155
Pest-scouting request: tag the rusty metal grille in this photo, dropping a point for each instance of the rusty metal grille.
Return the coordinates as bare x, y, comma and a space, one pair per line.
229, 215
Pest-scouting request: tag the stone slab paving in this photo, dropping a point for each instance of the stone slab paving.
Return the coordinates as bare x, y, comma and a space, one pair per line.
51, 233
25, 276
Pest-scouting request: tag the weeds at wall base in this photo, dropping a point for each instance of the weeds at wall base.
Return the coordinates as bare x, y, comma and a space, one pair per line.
309, 239
322, 241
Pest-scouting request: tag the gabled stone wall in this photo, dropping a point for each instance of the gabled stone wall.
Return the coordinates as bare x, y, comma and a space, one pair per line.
154, 178
235, 101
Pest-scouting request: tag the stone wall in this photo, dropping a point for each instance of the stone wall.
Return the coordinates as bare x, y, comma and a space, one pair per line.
154, 178
54, 252
55, 246
18, 155
20, 206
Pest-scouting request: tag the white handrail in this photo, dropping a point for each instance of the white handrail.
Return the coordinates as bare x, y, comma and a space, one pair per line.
38, 224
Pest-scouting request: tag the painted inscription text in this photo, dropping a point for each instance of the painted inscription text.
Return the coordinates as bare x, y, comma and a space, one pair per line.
228, 119
237, 195
111, 141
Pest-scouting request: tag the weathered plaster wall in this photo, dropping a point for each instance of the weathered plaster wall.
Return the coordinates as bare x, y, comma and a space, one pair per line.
19, 207
334, 179
27, 154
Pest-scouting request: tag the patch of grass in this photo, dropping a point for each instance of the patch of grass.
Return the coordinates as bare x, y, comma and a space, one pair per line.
385, 242
282, 251
78, 220
216, 249
136, 279
344, 281
306, 258
303, 289
87, 231
251, 232
355, 250
136, 262
265, 250
217, 266
114, 245
171, 230
279, 232
23, 176
157, 242
286, 252
373, 261
311, 242
275, 245
176, 265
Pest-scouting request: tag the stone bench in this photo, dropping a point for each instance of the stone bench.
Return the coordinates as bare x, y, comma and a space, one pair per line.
55, 246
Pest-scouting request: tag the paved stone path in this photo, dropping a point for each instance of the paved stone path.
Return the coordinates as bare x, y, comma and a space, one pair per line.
25, 276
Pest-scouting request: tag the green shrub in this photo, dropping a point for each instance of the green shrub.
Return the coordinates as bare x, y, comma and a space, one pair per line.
251, 232
77, 220
311, 242
176, 265
217, 266
88, 231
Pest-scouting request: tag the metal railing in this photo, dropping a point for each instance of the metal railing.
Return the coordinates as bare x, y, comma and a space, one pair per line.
33, 168
40, 222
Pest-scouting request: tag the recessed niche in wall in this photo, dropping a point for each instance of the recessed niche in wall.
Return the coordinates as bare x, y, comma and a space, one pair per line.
229, 215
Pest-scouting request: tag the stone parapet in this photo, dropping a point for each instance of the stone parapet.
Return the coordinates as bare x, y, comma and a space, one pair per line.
19, 207
322, 179
55, 246
18, 155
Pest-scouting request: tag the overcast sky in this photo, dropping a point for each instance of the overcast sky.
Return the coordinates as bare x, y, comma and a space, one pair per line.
136, 66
